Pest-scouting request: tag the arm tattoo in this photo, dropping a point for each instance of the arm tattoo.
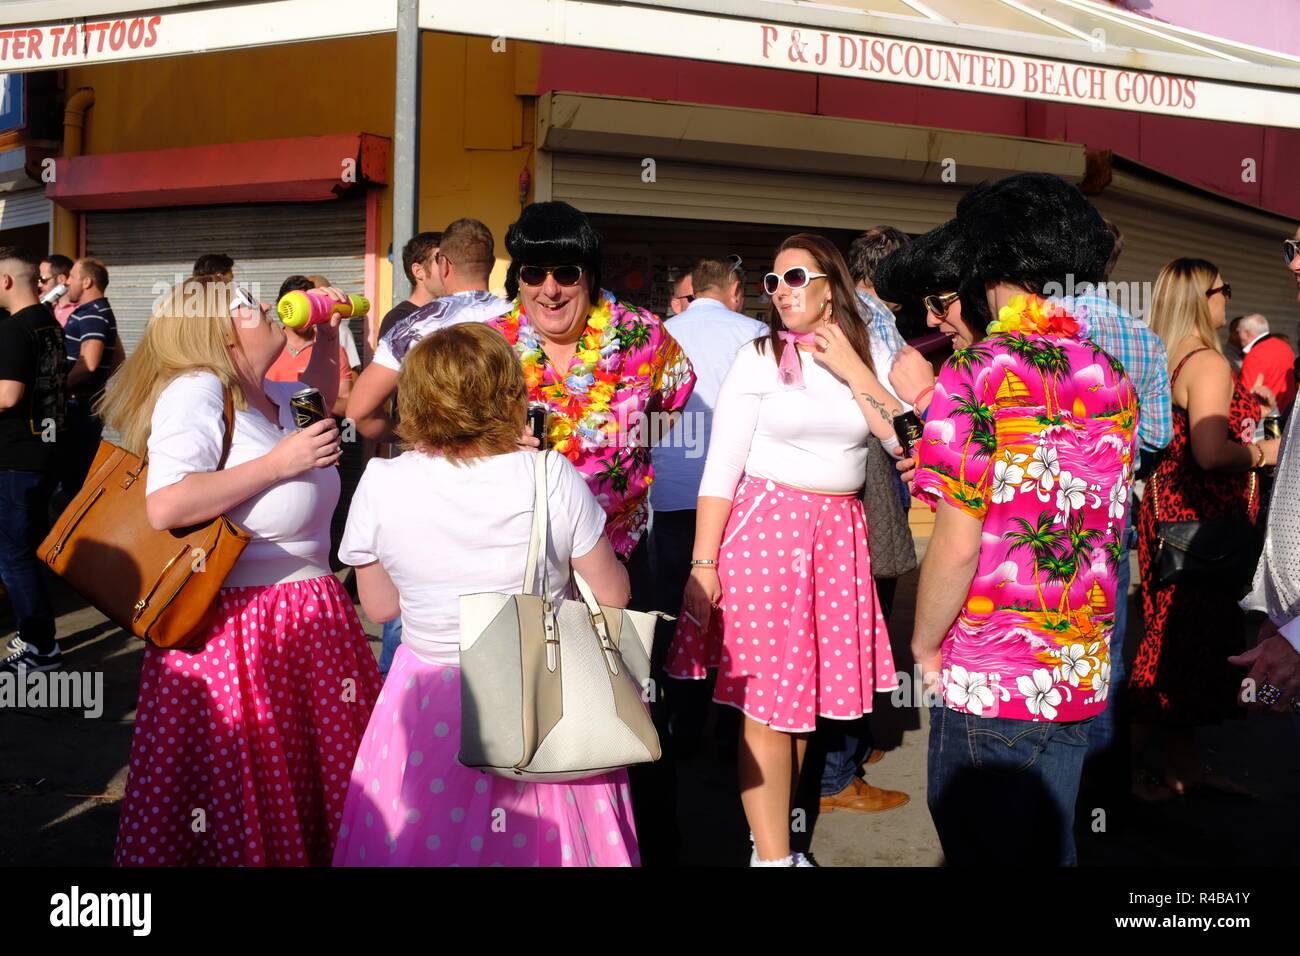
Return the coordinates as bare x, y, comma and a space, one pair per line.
884, 412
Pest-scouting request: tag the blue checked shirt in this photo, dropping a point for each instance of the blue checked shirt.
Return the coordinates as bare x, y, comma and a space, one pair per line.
1143, 356
882, 329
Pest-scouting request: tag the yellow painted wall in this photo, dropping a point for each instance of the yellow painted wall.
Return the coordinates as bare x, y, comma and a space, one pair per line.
474, 142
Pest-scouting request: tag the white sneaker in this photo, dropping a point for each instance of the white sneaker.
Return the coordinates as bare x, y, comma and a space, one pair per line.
801, 860
784, 861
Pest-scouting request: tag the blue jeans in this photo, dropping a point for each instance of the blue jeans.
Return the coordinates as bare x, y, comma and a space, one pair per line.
392, 641
24, 503
1101, 735
1002, 791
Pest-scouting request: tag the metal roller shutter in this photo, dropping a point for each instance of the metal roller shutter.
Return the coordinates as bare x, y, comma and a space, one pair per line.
699, 191
146, 251
27, 207
1160, 224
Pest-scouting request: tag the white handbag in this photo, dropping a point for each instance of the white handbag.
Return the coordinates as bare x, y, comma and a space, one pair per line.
548, 691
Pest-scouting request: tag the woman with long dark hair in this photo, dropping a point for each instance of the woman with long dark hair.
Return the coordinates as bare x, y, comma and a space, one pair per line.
781, 597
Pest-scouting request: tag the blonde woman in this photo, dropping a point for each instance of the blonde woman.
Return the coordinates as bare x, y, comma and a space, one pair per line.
452, 516
252, 735
1181, 678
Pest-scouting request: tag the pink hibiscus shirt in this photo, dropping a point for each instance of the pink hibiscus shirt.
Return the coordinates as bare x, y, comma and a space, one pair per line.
1033, 435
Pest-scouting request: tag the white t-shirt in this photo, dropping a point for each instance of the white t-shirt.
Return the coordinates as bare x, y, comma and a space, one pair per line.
442, 530
290, 521
812, 437
710, 334
439, 314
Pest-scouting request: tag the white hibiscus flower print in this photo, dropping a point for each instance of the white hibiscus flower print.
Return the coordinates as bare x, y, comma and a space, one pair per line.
1007, 478
1118, 499
1076, 664
1070, 494
968, 689
1043, 467
1041, 697
1101, 682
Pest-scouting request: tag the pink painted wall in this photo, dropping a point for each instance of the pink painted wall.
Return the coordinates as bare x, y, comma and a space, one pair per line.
1207, 154
1272, 24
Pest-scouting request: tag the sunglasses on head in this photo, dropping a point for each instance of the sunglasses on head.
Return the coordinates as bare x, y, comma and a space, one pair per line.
1290, 249
938, 305
1225, 289
796, 278
241, 298
566, 276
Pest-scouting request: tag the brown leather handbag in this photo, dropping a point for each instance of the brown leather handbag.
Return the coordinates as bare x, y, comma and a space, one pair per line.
159, 585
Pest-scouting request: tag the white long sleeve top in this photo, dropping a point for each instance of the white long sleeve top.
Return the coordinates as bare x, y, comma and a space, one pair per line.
813, 438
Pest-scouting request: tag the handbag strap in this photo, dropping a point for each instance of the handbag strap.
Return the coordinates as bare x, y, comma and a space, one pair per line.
228, 417
537, 544
537, 541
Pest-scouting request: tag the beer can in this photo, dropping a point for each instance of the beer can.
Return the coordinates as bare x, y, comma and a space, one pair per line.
1273, 427
308, 407
537, 422
908, 428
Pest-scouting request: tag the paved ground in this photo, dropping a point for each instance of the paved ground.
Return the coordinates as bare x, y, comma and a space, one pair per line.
61, 778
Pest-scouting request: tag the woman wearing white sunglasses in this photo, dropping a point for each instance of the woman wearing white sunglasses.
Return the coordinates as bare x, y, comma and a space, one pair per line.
242, 748
781, 598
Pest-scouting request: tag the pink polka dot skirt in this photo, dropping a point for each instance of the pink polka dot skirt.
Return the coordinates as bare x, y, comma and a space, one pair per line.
800, 632
412, 803
242, 751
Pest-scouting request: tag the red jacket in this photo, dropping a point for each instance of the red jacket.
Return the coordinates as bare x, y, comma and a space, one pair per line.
1272, 358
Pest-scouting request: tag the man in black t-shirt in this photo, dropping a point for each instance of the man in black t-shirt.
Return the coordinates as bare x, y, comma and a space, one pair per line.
92, 350
32, 357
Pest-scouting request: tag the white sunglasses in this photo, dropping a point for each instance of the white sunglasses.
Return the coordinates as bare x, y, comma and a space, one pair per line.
796, 278
242, 299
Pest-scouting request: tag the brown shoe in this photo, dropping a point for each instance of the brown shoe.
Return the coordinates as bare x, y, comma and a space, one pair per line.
861, 797
874, 757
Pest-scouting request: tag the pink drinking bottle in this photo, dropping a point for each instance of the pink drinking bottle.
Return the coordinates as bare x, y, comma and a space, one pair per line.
297, 310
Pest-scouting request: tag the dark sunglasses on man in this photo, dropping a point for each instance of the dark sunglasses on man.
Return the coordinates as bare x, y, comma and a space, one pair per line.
566, 276
1290, 249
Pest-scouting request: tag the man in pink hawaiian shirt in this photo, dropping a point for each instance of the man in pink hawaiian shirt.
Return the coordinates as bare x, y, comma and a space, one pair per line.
610, 377
1027, 454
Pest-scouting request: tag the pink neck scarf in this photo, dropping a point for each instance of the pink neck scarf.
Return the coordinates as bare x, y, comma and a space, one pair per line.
790, 369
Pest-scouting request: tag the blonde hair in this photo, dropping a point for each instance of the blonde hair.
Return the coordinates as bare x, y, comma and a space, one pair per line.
190, 329
1179, 305
461, 393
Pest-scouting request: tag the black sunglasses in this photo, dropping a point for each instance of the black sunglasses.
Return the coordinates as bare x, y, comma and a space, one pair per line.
1225, 289
938, 305
566, 276
1290, 249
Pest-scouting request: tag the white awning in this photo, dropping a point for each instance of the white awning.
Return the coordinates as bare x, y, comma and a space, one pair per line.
1064, 51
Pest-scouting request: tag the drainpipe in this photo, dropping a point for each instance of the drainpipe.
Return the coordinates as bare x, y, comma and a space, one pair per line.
74, 123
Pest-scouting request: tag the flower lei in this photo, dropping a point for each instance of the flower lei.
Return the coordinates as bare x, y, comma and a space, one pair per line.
580, 417
1035, 315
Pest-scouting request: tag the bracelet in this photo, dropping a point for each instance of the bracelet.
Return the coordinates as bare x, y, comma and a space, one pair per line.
891, 443
1260, 449
925, 392
704, 562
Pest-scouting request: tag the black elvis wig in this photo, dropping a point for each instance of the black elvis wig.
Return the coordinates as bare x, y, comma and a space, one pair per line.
1032, 230
553, 234
931, 264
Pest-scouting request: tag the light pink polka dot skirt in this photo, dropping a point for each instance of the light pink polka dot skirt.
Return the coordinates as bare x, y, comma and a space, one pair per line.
242, 751
413, 804
800, 632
